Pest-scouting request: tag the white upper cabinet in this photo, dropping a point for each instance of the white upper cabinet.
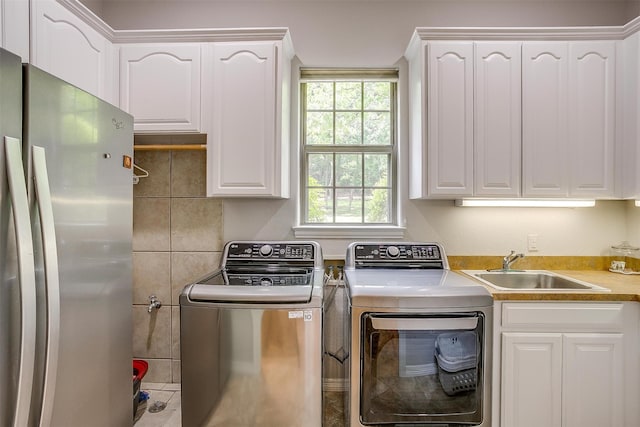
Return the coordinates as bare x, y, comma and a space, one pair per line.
569, 109
465, 122
65, 46
160, 86
497, 112
14, 27
441, 100
545, 129
629, 172
247, 91
592, 131
450, 118
505, 118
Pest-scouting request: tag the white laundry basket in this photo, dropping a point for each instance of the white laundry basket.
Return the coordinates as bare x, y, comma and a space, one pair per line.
457, 358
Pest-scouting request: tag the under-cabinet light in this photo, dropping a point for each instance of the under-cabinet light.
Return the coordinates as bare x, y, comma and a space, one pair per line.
527, 203
637, 203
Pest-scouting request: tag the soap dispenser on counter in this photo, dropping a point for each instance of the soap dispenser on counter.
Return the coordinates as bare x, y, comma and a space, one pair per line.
624, 255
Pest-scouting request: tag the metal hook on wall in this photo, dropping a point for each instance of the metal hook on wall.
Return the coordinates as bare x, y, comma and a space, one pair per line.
136, 178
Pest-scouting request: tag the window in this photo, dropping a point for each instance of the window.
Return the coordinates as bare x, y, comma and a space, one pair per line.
348, 147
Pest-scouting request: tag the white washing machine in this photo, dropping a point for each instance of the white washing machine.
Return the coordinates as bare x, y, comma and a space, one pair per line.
420, 339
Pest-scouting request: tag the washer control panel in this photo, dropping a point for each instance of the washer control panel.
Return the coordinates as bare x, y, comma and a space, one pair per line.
271, 251
410, 255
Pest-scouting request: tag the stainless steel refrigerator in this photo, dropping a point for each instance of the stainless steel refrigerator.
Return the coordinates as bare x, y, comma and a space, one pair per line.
65, 253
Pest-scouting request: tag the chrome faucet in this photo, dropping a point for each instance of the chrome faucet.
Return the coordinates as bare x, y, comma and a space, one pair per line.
510, 259
154, 302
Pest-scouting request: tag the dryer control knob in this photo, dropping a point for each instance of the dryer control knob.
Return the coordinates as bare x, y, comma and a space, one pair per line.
393, 251
266, 250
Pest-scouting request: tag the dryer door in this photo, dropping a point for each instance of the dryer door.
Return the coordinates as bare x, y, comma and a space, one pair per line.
422, 368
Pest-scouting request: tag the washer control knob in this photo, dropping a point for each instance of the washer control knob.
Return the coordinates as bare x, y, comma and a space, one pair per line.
393, 251
266, 250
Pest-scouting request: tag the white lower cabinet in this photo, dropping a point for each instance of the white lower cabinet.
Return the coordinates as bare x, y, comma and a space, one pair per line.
562, 380
568, 364
531, 379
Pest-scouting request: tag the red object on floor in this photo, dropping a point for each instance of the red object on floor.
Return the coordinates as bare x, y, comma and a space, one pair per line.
140, 368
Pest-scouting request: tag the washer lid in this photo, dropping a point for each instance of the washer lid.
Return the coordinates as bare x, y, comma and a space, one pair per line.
253, 287
405, 288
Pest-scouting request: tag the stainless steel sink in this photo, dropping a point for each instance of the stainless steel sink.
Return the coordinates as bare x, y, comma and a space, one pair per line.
531, 280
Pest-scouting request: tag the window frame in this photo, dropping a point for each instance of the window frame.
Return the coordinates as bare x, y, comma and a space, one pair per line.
338, 229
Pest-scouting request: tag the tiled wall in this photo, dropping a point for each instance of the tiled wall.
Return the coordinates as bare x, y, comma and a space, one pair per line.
177, 237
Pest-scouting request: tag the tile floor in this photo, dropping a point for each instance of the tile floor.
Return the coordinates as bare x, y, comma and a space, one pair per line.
159, 393
169, 394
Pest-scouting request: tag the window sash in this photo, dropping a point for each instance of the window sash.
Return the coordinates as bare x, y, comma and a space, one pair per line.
363, 149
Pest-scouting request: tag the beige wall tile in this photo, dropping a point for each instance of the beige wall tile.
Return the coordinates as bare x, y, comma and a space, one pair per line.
175, 371
158, 164
189, 266
159, 371
151, 333
188, 173
196, 224
151, 276
151, 224
175, 332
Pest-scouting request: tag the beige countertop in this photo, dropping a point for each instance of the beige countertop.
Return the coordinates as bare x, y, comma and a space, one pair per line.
623, 288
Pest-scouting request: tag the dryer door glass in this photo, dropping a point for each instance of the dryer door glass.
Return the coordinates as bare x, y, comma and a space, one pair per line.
422, 368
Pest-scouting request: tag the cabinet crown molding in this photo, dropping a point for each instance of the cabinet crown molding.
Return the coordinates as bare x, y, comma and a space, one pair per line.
178, 35
526, 33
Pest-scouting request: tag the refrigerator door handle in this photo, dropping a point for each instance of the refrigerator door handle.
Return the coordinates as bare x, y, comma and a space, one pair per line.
52, 280
27, 279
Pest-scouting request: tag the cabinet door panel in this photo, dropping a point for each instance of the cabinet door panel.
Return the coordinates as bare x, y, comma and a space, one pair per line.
160, 86
544, 114
531, 379
14, 27
497, 119
592, 117
243, 130
593, 385
68, 48
450, 118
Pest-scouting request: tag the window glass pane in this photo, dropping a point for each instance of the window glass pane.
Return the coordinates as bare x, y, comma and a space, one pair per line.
320, 96
348, 128
377, 128
349, 170
348, 151
377, 96
349, 205
320, 205
320, 167
376, 170
319, 129
376, 205
348, 95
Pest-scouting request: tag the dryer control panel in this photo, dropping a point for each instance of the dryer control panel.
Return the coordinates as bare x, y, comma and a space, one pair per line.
400, 255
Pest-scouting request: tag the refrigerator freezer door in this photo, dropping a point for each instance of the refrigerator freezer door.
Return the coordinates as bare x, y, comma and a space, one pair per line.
11, 333
26, 280
85, 140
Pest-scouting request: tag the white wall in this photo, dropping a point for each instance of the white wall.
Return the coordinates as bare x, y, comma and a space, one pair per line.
358, 32
371, 33
633, 224
633, 9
